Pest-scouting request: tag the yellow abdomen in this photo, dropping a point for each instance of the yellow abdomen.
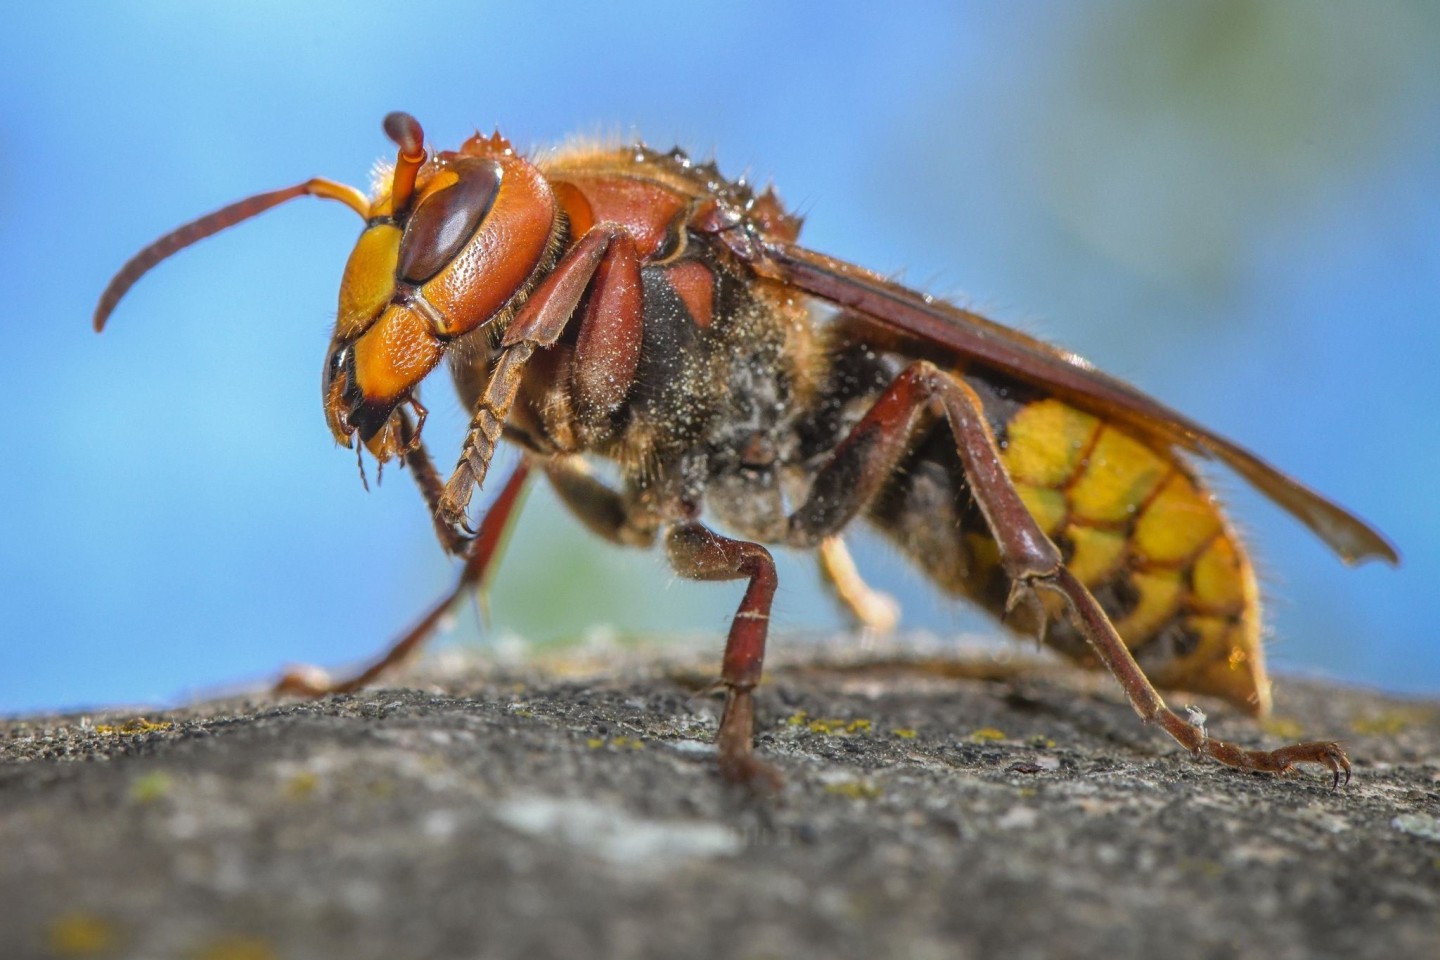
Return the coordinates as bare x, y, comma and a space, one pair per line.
1138, 528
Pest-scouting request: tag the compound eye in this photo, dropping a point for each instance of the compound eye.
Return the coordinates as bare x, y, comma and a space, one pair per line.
446, 220
335, 366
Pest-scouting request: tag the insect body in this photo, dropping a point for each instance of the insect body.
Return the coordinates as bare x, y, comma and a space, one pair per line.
633, 306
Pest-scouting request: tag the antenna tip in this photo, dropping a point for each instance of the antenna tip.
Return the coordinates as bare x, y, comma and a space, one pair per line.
406, 132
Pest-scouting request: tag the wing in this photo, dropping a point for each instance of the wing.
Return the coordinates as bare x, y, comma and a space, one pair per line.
984, 343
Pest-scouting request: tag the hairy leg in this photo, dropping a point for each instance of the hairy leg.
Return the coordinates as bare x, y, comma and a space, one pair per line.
873, 449
701, 554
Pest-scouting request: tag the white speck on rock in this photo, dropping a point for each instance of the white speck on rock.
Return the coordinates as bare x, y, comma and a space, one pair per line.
1418, 825
440, 824
1018, 818
1322, 818
617, 836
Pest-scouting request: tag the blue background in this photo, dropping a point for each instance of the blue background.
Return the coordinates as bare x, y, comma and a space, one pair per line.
1235, 205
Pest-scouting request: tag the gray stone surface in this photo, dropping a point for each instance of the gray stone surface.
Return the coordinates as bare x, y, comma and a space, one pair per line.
567, 807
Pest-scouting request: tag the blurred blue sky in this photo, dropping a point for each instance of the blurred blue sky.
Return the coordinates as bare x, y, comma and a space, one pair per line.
1234, 205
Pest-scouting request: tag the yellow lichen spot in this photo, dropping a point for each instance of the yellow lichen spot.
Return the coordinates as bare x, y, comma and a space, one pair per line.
1203, 866
1040, 740
1047, 506
237, 948
855, 789
1160, 595
1283, 727
149, 787
1177, 522
986, 735
797, 719
81, 934
835, 726
132, 727
1045, 442
1097, 553
1387, 723
828, 725
302, 785
628, 743
595, 743
1120, 474
904, 733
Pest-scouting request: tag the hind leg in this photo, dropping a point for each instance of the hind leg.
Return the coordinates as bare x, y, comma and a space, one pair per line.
867, 606
862, 461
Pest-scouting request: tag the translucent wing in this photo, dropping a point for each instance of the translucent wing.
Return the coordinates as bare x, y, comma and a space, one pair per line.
975, 341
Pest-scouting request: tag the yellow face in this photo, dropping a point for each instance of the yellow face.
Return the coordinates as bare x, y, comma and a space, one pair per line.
460, 250
388, 331
381, 348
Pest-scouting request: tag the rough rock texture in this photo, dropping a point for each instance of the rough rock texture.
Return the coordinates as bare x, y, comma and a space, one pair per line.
569, 808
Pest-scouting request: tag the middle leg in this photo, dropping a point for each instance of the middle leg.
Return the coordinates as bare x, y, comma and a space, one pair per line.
699, 553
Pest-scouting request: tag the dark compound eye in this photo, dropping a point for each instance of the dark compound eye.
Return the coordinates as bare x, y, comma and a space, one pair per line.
444, 222
339, 357
340, 371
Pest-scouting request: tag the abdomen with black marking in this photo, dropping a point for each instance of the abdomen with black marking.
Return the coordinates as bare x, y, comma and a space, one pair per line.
1134, 524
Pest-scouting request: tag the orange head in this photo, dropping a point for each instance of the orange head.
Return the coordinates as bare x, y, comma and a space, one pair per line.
450, 245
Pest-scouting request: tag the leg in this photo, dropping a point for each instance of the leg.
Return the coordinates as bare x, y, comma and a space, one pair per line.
1147, 702
486, 426
860, 463
701, 554
478, 563
605, 262
1034, 564
603, 511
427, 478
870, 608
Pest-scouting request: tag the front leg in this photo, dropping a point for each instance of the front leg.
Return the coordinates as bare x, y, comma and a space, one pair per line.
427, 478
480, 556
486, 426
603, 262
